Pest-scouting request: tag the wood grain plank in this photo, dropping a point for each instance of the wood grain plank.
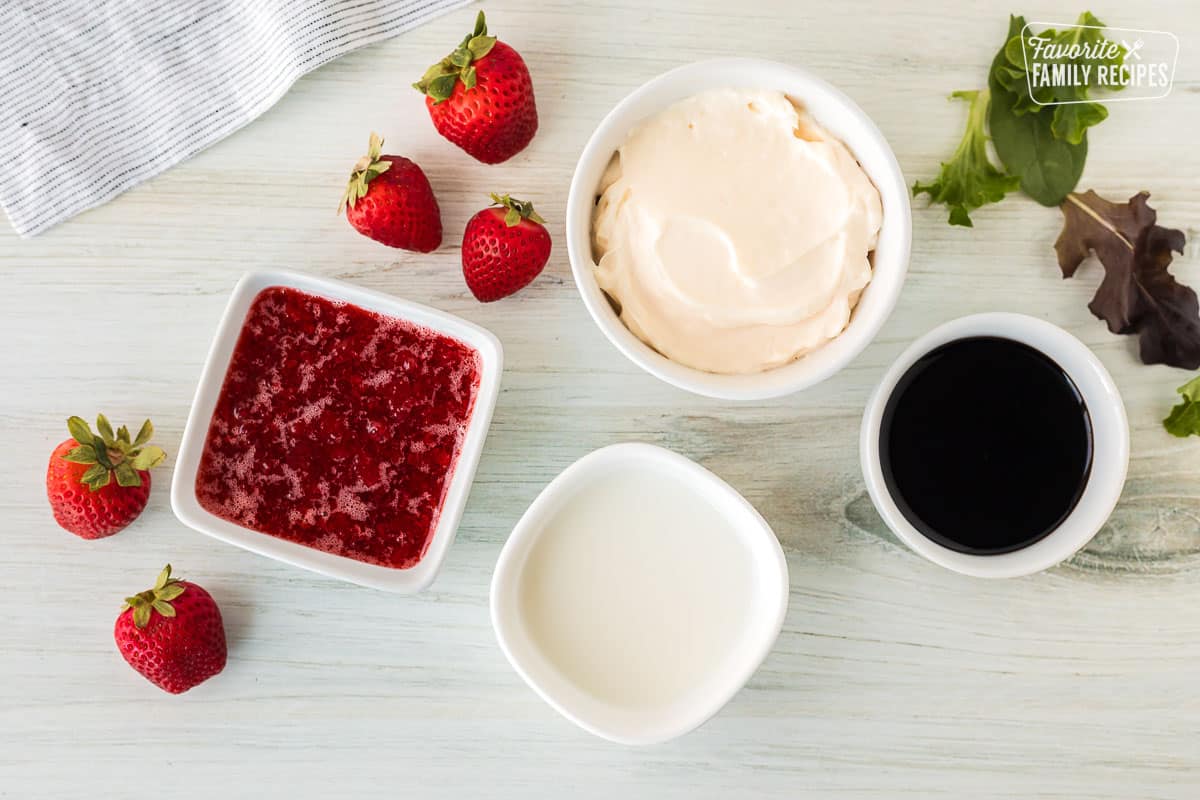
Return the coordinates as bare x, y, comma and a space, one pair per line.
892, 678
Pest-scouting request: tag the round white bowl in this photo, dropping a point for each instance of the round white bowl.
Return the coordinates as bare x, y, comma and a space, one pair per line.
623, 724
1110, 446
841, 117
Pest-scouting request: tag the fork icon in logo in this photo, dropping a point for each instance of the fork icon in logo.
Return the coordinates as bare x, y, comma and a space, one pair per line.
1132, 51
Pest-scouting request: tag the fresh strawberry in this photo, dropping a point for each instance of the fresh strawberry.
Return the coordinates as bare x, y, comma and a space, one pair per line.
480, 97
389, 199
172, 634
79, 481
504, 249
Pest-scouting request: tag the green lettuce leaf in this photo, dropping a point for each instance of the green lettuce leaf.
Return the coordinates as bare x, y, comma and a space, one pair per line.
1068, 122
1049, 167
1184, 419
969, 180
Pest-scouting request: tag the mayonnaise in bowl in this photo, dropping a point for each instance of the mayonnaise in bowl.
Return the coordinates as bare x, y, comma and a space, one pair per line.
733, 232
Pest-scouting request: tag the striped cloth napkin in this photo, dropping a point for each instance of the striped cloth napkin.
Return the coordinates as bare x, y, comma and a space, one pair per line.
99, 95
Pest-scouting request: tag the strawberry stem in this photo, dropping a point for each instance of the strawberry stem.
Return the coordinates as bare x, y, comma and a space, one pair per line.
517, 210
112, 454
158, 598
366, 169
439, 81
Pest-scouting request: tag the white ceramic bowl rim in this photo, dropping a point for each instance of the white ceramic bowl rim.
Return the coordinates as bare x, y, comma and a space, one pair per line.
1110, 435
183, 494
838, 114
590, 714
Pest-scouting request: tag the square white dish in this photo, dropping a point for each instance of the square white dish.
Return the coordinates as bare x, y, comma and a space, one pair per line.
722, 670
183, 493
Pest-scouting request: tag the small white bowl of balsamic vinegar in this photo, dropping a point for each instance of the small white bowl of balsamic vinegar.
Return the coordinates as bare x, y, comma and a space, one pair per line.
638, 594
996, 445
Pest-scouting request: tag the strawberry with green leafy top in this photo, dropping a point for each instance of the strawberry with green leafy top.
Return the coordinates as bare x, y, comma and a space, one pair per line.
389, 199
99, 483
480, 97
504, 248
172, 634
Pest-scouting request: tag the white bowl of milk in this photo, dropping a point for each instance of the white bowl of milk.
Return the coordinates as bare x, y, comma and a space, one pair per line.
639, 593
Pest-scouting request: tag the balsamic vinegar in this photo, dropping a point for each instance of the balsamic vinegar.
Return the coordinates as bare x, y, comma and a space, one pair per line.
986, 445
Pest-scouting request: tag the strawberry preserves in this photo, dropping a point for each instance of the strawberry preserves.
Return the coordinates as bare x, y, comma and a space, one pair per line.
338, 428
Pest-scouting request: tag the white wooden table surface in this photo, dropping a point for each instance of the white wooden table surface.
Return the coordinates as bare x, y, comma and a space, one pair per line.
892, 678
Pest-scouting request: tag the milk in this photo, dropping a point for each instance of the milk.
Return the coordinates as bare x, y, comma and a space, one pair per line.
638, 591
